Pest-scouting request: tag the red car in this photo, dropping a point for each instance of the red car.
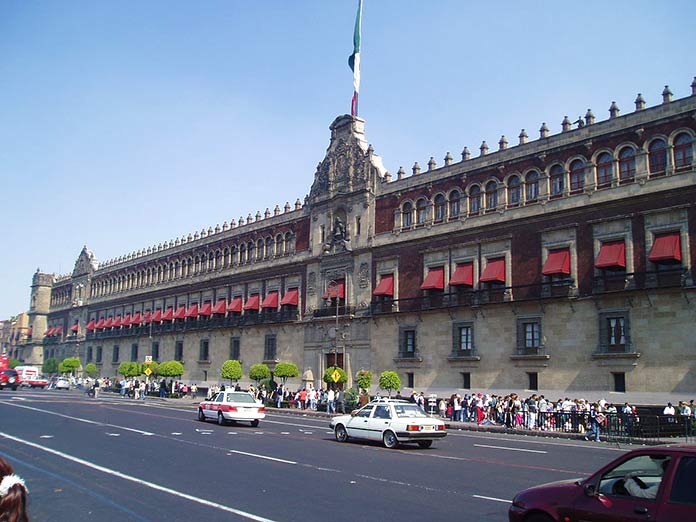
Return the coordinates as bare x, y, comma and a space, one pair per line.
655, 484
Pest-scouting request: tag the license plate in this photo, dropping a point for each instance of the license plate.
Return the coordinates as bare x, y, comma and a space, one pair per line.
428, 428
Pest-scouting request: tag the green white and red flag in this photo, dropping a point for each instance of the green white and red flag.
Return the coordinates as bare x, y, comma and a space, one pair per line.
354, 61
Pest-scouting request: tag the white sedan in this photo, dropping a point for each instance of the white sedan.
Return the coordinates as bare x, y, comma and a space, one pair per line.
391, 421
62, 384
232, 406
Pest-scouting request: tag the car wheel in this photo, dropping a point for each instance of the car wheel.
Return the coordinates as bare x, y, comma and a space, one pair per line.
389, 439
254, 423
341, 433
425, 443
201, 415
221, 419
538, 517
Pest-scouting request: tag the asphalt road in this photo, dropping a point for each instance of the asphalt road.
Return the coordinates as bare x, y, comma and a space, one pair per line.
120, 460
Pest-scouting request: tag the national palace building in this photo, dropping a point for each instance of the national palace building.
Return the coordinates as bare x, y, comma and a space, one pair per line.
561, 263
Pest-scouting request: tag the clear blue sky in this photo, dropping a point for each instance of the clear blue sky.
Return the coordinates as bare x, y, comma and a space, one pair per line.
124, 124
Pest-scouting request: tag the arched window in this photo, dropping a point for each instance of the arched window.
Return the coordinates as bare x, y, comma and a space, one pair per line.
683, 151
455, 198
531, 186
211, 261
226, 257
577, 175
269, 247
605, 169
474, 199
514, 191
421, 211
196, 265
557, 184
289, 245
407, 215
279, 245
242, 254
627, 164
440, 208
259, 249
251, 252
218, 259
235, 255
491, 195
657, 155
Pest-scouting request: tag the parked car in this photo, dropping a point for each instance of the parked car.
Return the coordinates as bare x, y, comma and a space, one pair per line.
655, 484
232, 406
62, 383
9, 379
392, 421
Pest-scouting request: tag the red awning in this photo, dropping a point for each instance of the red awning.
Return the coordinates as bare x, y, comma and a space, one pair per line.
557, 263
435, 280
109, 323
127, 320
91, 325
494, 271
118, 322
168, 315
30, 333
666, 249
100, 324
612, 255
157, 316
192, 311
137, 319
235, 305
337, 289
220, 307
48, 332
180, 312
75, 327
270, 301
385, 286
463, 275
206, 309
147, 318
252, 303
290, 297
58, 330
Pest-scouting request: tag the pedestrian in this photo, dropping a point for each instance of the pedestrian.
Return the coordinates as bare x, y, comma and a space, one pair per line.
143, 390
194, 390
279, 396
330, 406
340, 398
13, 495
95, 389
163, 389
596, 420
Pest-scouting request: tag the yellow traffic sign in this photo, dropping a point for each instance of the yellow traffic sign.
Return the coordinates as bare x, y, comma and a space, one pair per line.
336, 376
148, 371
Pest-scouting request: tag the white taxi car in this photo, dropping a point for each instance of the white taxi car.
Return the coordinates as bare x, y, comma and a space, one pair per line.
232, 406
391, 421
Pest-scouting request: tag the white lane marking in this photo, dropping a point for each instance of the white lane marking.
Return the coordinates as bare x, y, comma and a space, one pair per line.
142, 482
203, 431
263, 457
545, 441
231, 432
508, 449
285, 433
258, 433
176, 433
105, 424
492, 498
46, 437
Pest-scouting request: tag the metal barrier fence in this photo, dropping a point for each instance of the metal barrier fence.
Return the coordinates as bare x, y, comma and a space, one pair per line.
619, 427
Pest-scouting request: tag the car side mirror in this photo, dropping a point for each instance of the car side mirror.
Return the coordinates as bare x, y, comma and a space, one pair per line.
590, 490
353, 413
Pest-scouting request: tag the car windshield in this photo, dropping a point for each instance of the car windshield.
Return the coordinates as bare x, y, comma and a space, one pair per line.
240, 397
409, 410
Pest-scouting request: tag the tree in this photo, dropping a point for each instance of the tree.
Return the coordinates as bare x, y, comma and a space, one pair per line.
285, 371
389, 381
259, 372
129, 369
50, 366
170, 369
13, 363
328, 375
91, 370
232, 370
364, 380
71, 364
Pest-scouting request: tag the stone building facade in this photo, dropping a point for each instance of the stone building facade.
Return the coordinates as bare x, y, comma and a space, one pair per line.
561, 264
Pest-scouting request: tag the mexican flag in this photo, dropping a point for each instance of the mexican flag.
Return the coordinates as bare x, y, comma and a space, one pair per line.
354, 61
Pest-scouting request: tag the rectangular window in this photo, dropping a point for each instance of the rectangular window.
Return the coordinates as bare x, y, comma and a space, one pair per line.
203, 353
619, 381
614, 332
155, 351
529, 336
322, 228
410, 381
408, 343
270, 348
99, 355
357, 225
235, 348
533, 380
89, 354
466, 380
134, 352
114, 357
179, 351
